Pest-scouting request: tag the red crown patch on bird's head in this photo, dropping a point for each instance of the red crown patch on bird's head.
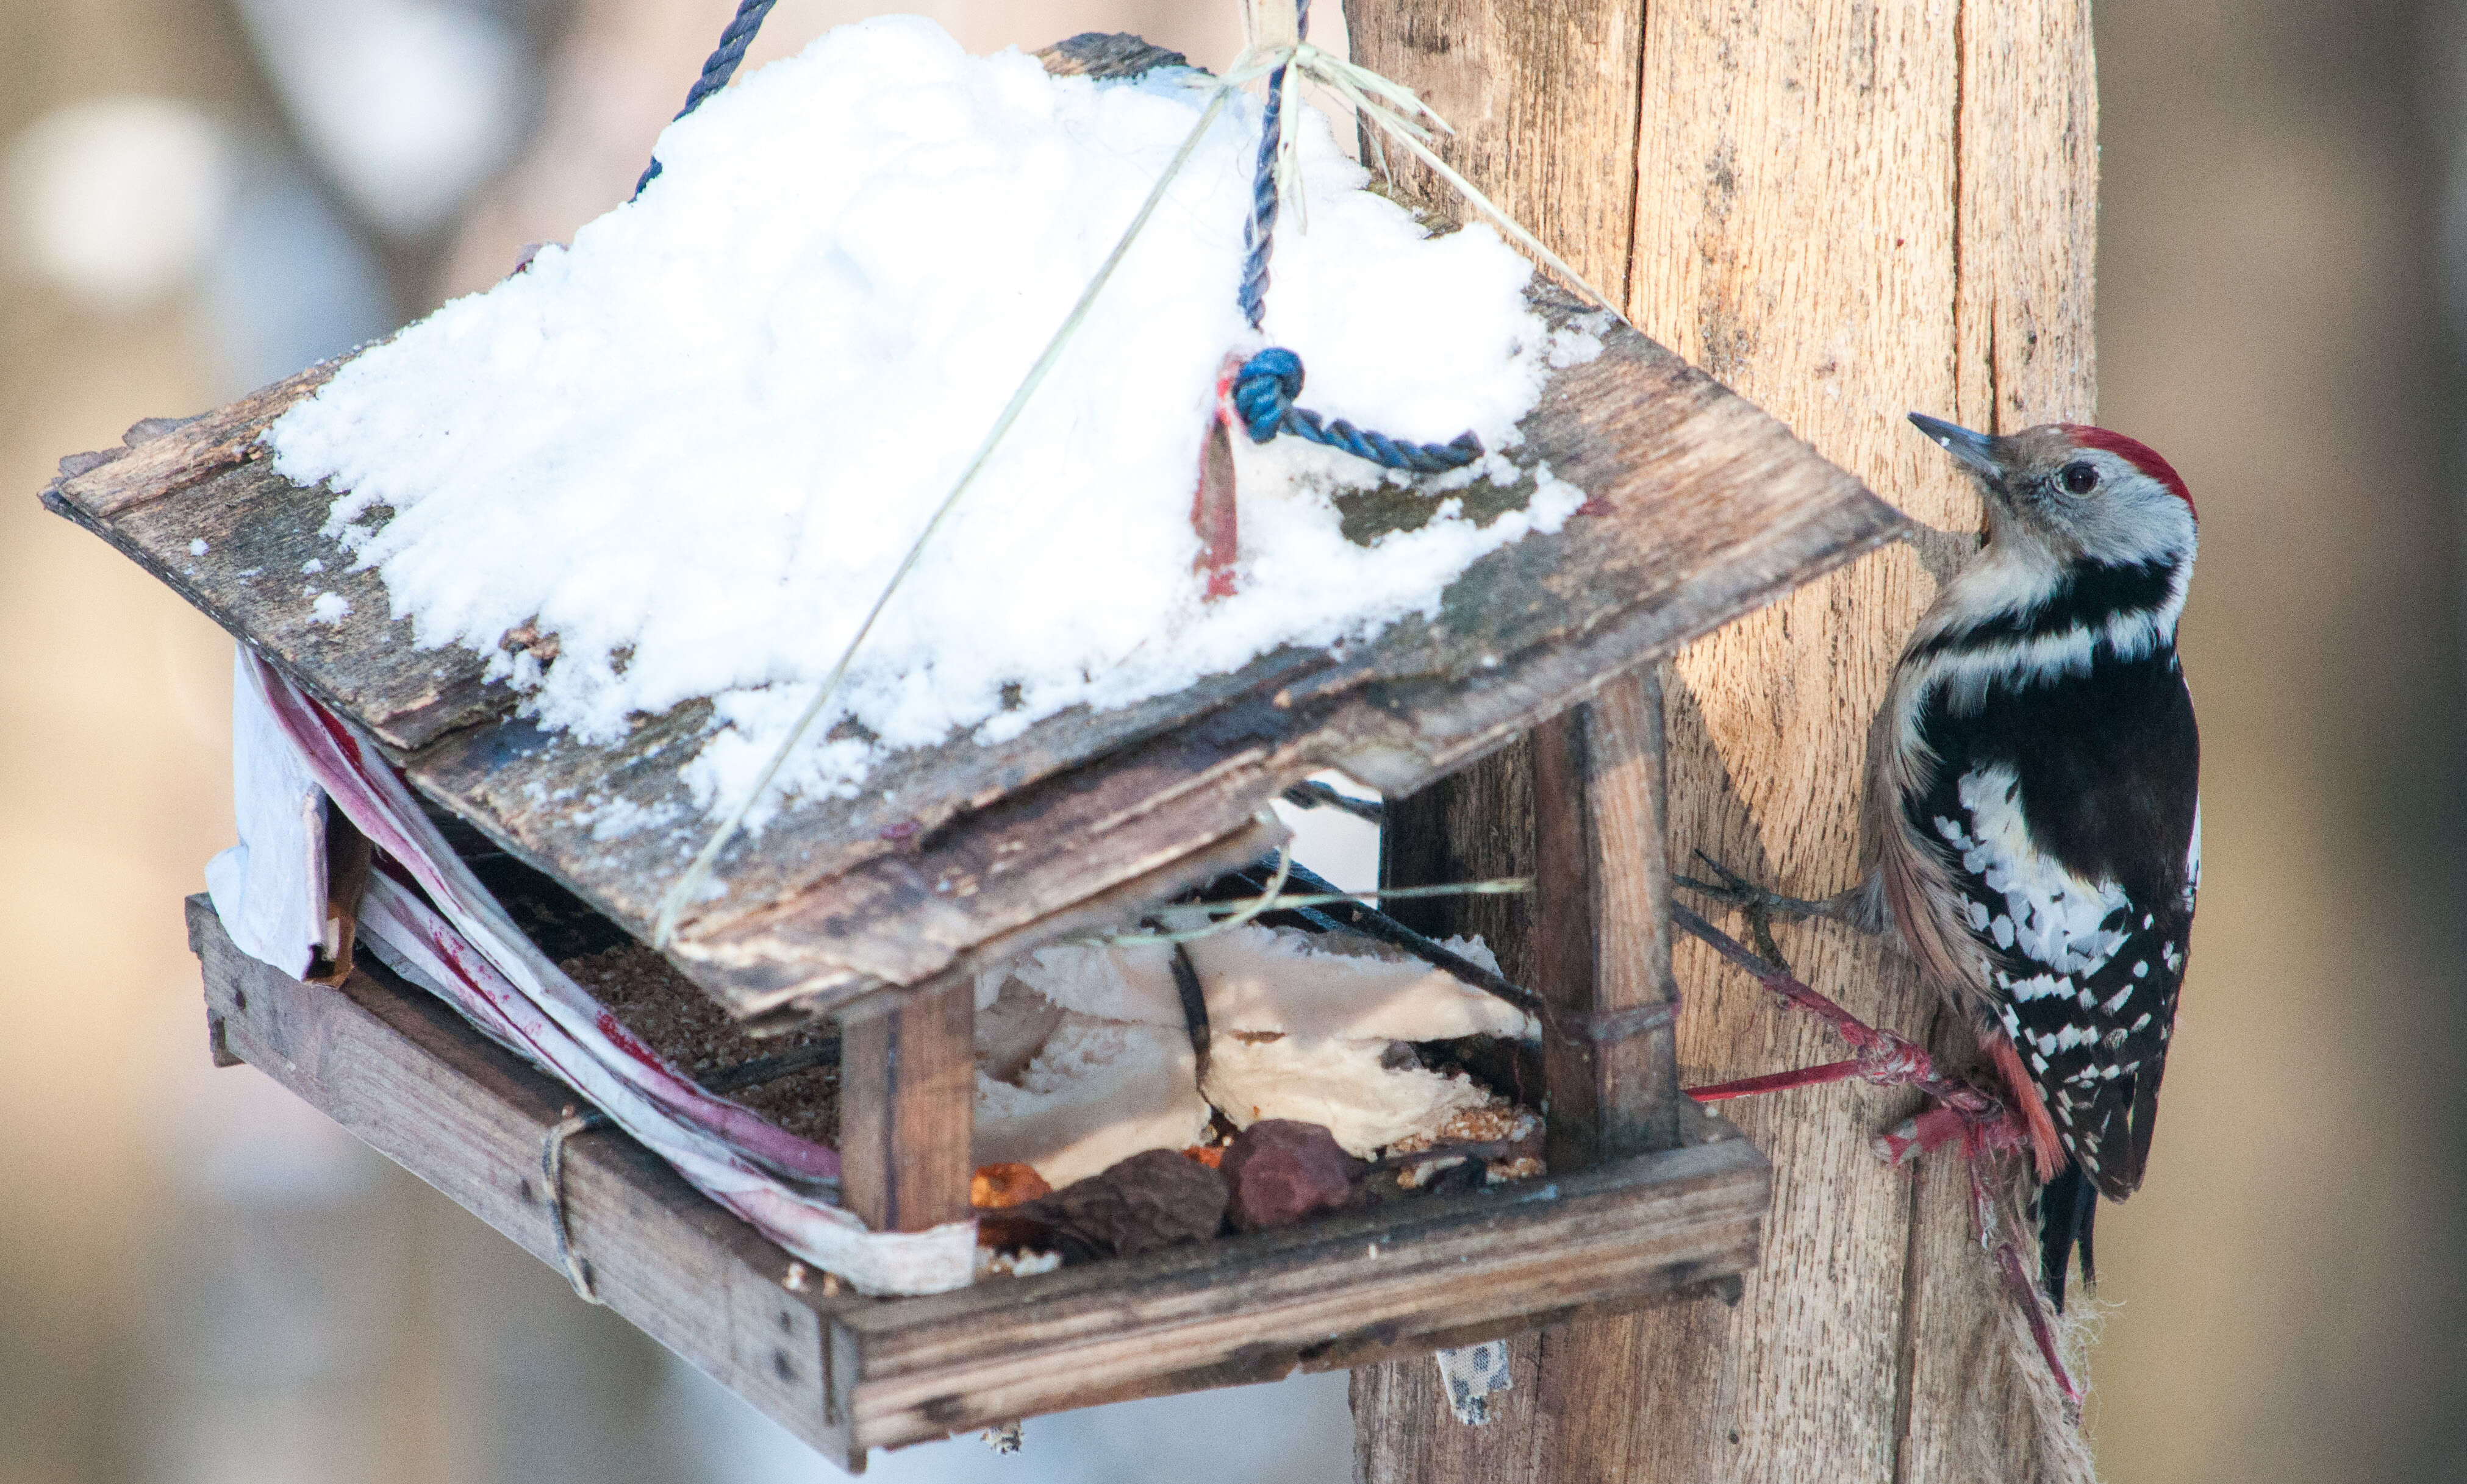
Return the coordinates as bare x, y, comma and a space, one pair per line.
2142, 455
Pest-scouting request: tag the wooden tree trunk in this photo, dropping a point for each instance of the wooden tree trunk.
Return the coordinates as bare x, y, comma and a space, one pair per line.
1847, 210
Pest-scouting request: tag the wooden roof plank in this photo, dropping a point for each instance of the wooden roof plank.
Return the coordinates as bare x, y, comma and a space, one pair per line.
206, 480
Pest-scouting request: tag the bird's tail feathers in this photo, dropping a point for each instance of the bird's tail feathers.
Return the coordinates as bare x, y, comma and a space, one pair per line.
2067, 1204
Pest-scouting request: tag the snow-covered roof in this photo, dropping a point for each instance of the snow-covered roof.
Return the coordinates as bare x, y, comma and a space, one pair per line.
955, 853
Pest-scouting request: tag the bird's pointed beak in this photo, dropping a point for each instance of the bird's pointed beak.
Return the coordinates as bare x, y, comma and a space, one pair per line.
1976, 451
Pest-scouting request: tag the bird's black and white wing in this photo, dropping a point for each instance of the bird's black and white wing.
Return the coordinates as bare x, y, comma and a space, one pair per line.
2067, 817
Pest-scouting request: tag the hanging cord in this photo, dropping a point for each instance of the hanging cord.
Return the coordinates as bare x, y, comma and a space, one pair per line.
1263, 395
721, 66
1264, 389
553, 1175
1259, 228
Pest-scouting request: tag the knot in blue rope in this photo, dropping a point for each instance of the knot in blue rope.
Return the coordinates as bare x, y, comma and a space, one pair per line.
1263, 395
1264, 390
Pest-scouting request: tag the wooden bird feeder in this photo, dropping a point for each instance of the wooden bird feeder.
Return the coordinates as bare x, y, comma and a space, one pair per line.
1701, 508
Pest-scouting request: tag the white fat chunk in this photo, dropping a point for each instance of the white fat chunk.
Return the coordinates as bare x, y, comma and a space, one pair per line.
1338, 1084
1280, 980
1096, 1093
1083, 1057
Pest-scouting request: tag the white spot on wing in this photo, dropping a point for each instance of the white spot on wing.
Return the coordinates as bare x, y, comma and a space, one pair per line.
2053, 917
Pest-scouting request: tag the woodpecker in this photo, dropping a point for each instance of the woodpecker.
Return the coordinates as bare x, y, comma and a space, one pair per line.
2033, 799
2033, 818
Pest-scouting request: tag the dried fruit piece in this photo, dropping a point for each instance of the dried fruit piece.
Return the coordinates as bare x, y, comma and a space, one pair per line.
995, 1186
1283, 1170
1151, 1200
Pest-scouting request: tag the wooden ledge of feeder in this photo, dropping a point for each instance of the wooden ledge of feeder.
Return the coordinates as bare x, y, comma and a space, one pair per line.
393, 1066
1701, 508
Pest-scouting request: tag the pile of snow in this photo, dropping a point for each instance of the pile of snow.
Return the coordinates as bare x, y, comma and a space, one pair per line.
694, 444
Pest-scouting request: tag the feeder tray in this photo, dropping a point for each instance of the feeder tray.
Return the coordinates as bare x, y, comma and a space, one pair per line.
1701, 508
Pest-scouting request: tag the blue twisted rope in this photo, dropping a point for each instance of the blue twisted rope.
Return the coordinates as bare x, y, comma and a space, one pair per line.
1259, 228
721, 66
1264, 389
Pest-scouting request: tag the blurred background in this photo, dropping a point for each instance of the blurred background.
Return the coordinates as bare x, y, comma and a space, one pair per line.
202, 1280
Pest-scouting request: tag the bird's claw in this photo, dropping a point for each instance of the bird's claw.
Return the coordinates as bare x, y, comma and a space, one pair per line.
1732, 888
1753, 902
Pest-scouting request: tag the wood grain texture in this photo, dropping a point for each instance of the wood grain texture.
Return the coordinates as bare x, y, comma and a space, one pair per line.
908, 1096
2025, 323
163, 456
1845, 212
396, 1068
1545, 101
1581, 805
1511, 141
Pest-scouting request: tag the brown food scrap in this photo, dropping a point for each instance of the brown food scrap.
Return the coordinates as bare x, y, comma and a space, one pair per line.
1212, 1156
995, 1186
691, 1032
1283, 1170
1153, 1200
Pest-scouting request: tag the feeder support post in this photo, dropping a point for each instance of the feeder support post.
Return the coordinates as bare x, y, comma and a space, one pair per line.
1845, 212
1601, 928
908, 1096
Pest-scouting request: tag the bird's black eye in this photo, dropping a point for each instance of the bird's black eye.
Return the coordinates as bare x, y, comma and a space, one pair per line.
2079, 477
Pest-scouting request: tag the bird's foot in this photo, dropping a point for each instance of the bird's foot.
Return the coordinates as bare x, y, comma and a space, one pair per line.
1884, 1057
1761, 905
1738, 890
1958, 1112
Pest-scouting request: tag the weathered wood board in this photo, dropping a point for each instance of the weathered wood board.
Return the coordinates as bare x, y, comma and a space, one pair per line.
1701, 507
1845, 212
397, 1069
